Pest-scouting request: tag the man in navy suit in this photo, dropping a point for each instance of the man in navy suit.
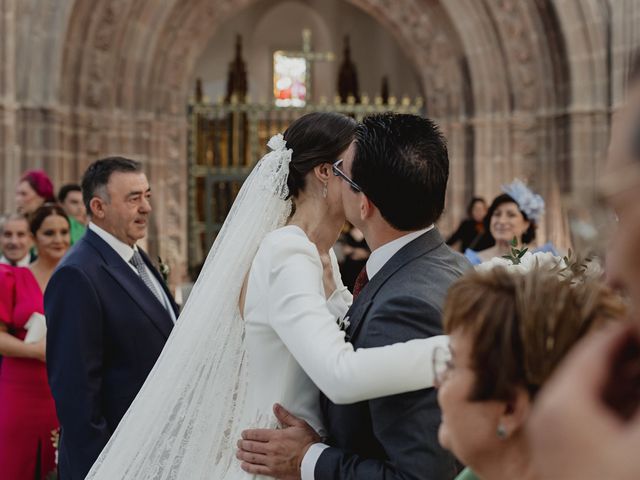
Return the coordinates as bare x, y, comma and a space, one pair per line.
394, 182
108, 312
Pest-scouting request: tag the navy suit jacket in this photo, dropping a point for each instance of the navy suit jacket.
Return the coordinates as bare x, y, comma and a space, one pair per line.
395, 437
105, 332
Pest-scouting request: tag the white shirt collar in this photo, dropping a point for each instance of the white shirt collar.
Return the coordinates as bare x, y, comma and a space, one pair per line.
23, 262
383, 254
121, 248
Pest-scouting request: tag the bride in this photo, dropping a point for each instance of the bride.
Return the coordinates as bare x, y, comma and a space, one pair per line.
261, 325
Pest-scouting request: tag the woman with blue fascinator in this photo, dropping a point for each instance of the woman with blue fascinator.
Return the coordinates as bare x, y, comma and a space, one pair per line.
513, 214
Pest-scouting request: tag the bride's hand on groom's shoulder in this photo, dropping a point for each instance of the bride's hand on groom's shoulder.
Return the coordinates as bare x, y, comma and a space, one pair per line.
277, 453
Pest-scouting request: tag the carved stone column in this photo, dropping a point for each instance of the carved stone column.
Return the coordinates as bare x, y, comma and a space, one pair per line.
461, 172
168, 173
8, 145
492, 160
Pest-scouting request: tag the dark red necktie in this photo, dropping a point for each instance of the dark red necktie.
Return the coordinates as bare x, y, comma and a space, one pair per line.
361, 280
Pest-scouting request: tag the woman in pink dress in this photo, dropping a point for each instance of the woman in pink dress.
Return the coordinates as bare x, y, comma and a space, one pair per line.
27, 412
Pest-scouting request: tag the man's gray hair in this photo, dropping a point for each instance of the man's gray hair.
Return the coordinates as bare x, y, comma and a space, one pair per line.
96, 177
11, 216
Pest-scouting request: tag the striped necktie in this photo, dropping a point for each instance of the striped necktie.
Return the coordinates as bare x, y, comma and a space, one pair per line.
138, 262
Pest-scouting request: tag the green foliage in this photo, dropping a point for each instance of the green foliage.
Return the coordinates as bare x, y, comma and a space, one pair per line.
516, 255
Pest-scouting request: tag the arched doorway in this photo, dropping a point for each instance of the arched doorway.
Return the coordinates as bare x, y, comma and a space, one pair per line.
512, 83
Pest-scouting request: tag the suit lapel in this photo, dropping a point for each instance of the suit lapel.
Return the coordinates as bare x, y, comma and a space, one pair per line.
416, 248
123, 274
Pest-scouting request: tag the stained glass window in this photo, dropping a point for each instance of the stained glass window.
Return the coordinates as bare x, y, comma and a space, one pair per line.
289, 74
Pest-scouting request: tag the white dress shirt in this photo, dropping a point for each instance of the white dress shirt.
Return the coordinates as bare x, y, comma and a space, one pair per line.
23, 262
126, 252
383, 254
378, 258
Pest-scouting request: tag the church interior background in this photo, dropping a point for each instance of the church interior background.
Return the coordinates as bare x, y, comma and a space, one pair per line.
193, 89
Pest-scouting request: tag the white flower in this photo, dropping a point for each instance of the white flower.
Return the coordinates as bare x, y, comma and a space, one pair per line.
494, 262
528, 262
593, 269
541, 259
343, 323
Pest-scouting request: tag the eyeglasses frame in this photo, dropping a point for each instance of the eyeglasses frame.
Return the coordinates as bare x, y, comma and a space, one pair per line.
339, 173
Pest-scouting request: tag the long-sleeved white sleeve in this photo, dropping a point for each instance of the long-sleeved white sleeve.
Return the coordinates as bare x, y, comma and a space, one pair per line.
298, 312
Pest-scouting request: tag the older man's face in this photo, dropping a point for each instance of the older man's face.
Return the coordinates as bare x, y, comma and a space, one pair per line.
16, 239
620, 184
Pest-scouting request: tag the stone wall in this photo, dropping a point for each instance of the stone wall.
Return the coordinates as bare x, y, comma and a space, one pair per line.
521, 87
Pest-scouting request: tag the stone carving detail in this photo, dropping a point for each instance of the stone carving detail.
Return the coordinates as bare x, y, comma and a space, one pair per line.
94, 135
428, 42
517, 38
518, 43
107, 25
432, 48
97, 91
99, 79
175, 199
188, 23
179, 41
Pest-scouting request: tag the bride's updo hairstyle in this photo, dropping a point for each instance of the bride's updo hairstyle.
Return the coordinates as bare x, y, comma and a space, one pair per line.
316, 138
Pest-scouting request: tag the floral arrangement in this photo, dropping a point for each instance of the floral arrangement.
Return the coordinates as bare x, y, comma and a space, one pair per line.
524, 262
530, 203
572, 267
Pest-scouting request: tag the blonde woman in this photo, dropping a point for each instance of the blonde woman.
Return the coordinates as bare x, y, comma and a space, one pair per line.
508, 331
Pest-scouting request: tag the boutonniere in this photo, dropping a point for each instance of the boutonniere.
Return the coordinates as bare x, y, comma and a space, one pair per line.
343, 323
164, 270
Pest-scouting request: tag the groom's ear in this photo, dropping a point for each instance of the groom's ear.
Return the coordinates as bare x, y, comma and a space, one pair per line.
367, 208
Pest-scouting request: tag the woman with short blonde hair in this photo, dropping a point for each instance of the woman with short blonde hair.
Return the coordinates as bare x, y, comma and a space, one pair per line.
509, 330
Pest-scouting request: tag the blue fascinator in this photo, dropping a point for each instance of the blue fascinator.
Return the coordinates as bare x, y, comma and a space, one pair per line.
530, 203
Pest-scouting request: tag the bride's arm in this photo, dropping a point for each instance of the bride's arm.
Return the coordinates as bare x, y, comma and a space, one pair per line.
298, 312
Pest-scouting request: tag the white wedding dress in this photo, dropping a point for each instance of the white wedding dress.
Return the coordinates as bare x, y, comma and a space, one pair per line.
219, 375
294, 346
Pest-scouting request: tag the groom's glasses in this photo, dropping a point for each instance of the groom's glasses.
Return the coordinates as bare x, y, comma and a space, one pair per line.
339, 173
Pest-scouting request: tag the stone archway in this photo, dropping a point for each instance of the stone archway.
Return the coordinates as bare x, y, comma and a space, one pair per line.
520, 88
127, 101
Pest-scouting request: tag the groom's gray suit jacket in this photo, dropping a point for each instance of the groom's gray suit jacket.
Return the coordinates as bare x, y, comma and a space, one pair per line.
395, 437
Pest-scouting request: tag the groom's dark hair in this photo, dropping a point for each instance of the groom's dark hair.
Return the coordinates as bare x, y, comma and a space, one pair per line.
402, 165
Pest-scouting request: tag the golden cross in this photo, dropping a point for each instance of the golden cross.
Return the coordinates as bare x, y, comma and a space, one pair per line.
310, 56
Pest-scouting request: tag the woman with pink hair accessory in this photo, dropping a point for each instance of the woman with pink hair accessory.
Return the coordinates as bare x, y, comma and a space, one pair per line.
34, 189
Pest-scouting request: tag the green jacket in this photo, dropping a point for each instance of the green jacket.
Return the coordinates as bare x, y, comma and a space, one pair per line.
77, 230
467, 474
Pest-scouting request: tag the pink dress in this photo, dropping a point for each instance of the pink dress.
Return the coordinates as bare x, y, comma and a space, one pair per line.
27, 411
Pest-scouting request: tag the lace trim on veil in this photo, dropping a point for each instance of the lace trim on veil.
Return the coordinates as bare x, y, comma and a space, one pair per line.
186, 418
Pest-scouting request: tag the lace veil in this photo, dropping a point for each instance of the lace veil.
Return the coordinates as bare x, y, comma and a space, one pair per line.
181, 425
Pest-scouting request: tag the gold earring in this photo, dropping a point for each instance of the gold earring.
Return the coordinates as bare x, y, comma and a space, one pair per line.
325, 191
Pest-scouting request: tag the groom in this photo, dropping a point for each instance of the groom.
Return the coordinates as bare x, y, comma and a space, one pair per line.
395, 175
